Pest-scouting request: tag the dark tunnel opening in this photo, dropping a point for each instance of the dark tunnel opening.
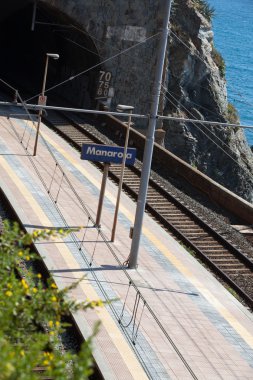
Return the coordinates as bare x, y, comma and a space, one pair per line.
24, 51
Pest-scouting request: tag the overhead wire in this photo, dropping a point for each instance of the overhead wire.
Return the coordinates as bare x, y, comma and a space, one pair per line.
77, 243
103, 291
196, 104
198, 55
95, 66
211, 132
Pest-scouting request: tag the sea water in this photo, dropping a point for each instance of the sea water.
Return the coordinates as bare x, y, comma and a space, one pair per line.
233, 36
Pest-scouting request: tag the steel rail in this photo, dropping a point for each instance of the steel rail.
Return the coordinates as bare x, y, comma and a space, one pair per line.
168, 225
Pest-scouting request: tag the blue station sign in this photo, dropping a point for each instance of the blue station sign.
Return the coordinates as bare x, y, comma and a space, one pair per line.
107, 153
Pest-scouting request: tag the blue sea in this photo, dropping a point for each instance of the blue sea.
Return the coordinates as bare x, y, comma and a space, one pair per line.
233, 36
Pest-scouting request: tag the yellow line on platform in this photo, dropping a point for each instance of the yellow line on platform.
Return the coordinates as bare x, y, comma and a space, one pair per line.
112, 329
227, 315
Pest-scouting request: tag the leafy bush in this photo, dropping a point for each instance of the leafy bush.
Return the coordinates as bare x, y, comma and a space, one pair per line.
204, 8
31, 315
219, 61
232, 114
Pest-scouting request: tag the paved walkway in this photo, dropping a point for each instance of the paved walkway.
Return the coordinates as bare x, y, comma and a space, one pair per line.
169, 319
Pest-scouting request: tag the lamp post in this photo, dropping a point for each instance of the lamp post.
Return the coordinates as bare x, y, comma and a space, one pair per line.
121, 108
148, 150
48, 55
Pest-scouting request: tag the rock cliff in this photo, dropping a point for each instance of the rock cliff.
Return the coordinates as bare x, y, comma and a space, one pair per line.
197, 89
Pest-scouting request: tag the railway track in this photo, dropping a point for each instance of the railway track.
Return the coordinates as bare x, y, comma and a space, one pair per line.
228, 262
222, 257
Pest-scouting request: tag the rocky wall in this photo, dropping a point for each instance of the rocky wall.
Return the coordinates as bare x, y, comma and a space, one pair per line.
197, 89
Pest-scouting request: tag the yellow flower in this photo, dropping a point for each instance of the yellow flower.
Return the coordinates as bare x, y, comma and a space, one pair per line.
8, 293
35, 290
35, 234
9, 286
54, 299
9, 368
24, 283
45, 362
39, 275
22, 353
53, 286
57, 323
51, 333
27, 257
50, 323
20, 253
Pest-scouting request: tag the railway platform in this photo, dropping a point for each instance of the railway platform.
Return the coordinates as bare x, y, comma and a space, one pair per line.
169, 318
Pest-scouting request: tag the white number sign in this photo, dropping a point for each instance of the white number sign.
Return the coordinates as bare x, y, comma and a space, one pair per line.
103, 84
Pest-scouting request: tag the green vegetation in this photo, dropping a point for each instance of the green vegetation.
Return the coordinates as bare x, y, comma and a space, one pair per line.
31, 313
232, 114
219, 61
204, 8
194, 165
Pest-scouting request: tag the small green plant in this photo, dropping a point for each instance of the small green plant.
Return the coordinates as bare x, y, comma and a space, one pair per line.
31, 314
204, 8
194, 165
232, 114
219, 61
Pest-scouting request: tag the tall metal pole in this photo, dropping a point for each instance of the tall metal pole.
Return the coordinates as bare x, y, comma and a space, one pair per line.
48, 55
148, 151
102, 193
121, 178
34, 15
40, 111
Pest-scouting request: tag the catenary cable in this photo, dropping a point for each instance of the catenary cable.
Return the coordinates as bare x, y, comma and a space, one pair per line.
220, 147
95, 66
120, 265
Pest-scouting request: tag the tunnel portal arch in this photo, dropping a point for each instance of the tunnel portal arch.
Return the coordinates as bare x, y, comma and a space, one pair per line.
24, 51
101, 30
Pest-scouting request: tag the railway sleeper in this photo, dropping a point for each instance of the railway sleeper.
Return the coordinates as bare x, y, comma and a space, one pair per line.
172, 211
214, 250
193, 231
171, 214
135, 187
234, 271
184, 223
131, 182
157, 198
161, 199
230, 265
209, 243
128, 175
194, 235
159, 204
176, 221
217, 257
227, 261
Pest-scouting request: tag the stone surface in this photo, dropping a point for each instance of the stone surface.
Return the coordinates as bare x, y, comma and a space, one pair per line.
197, 90
196, 85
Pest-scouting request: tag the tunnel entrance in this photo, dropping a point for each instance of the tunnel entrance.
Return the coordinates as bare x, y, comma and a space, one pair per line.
24, 52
